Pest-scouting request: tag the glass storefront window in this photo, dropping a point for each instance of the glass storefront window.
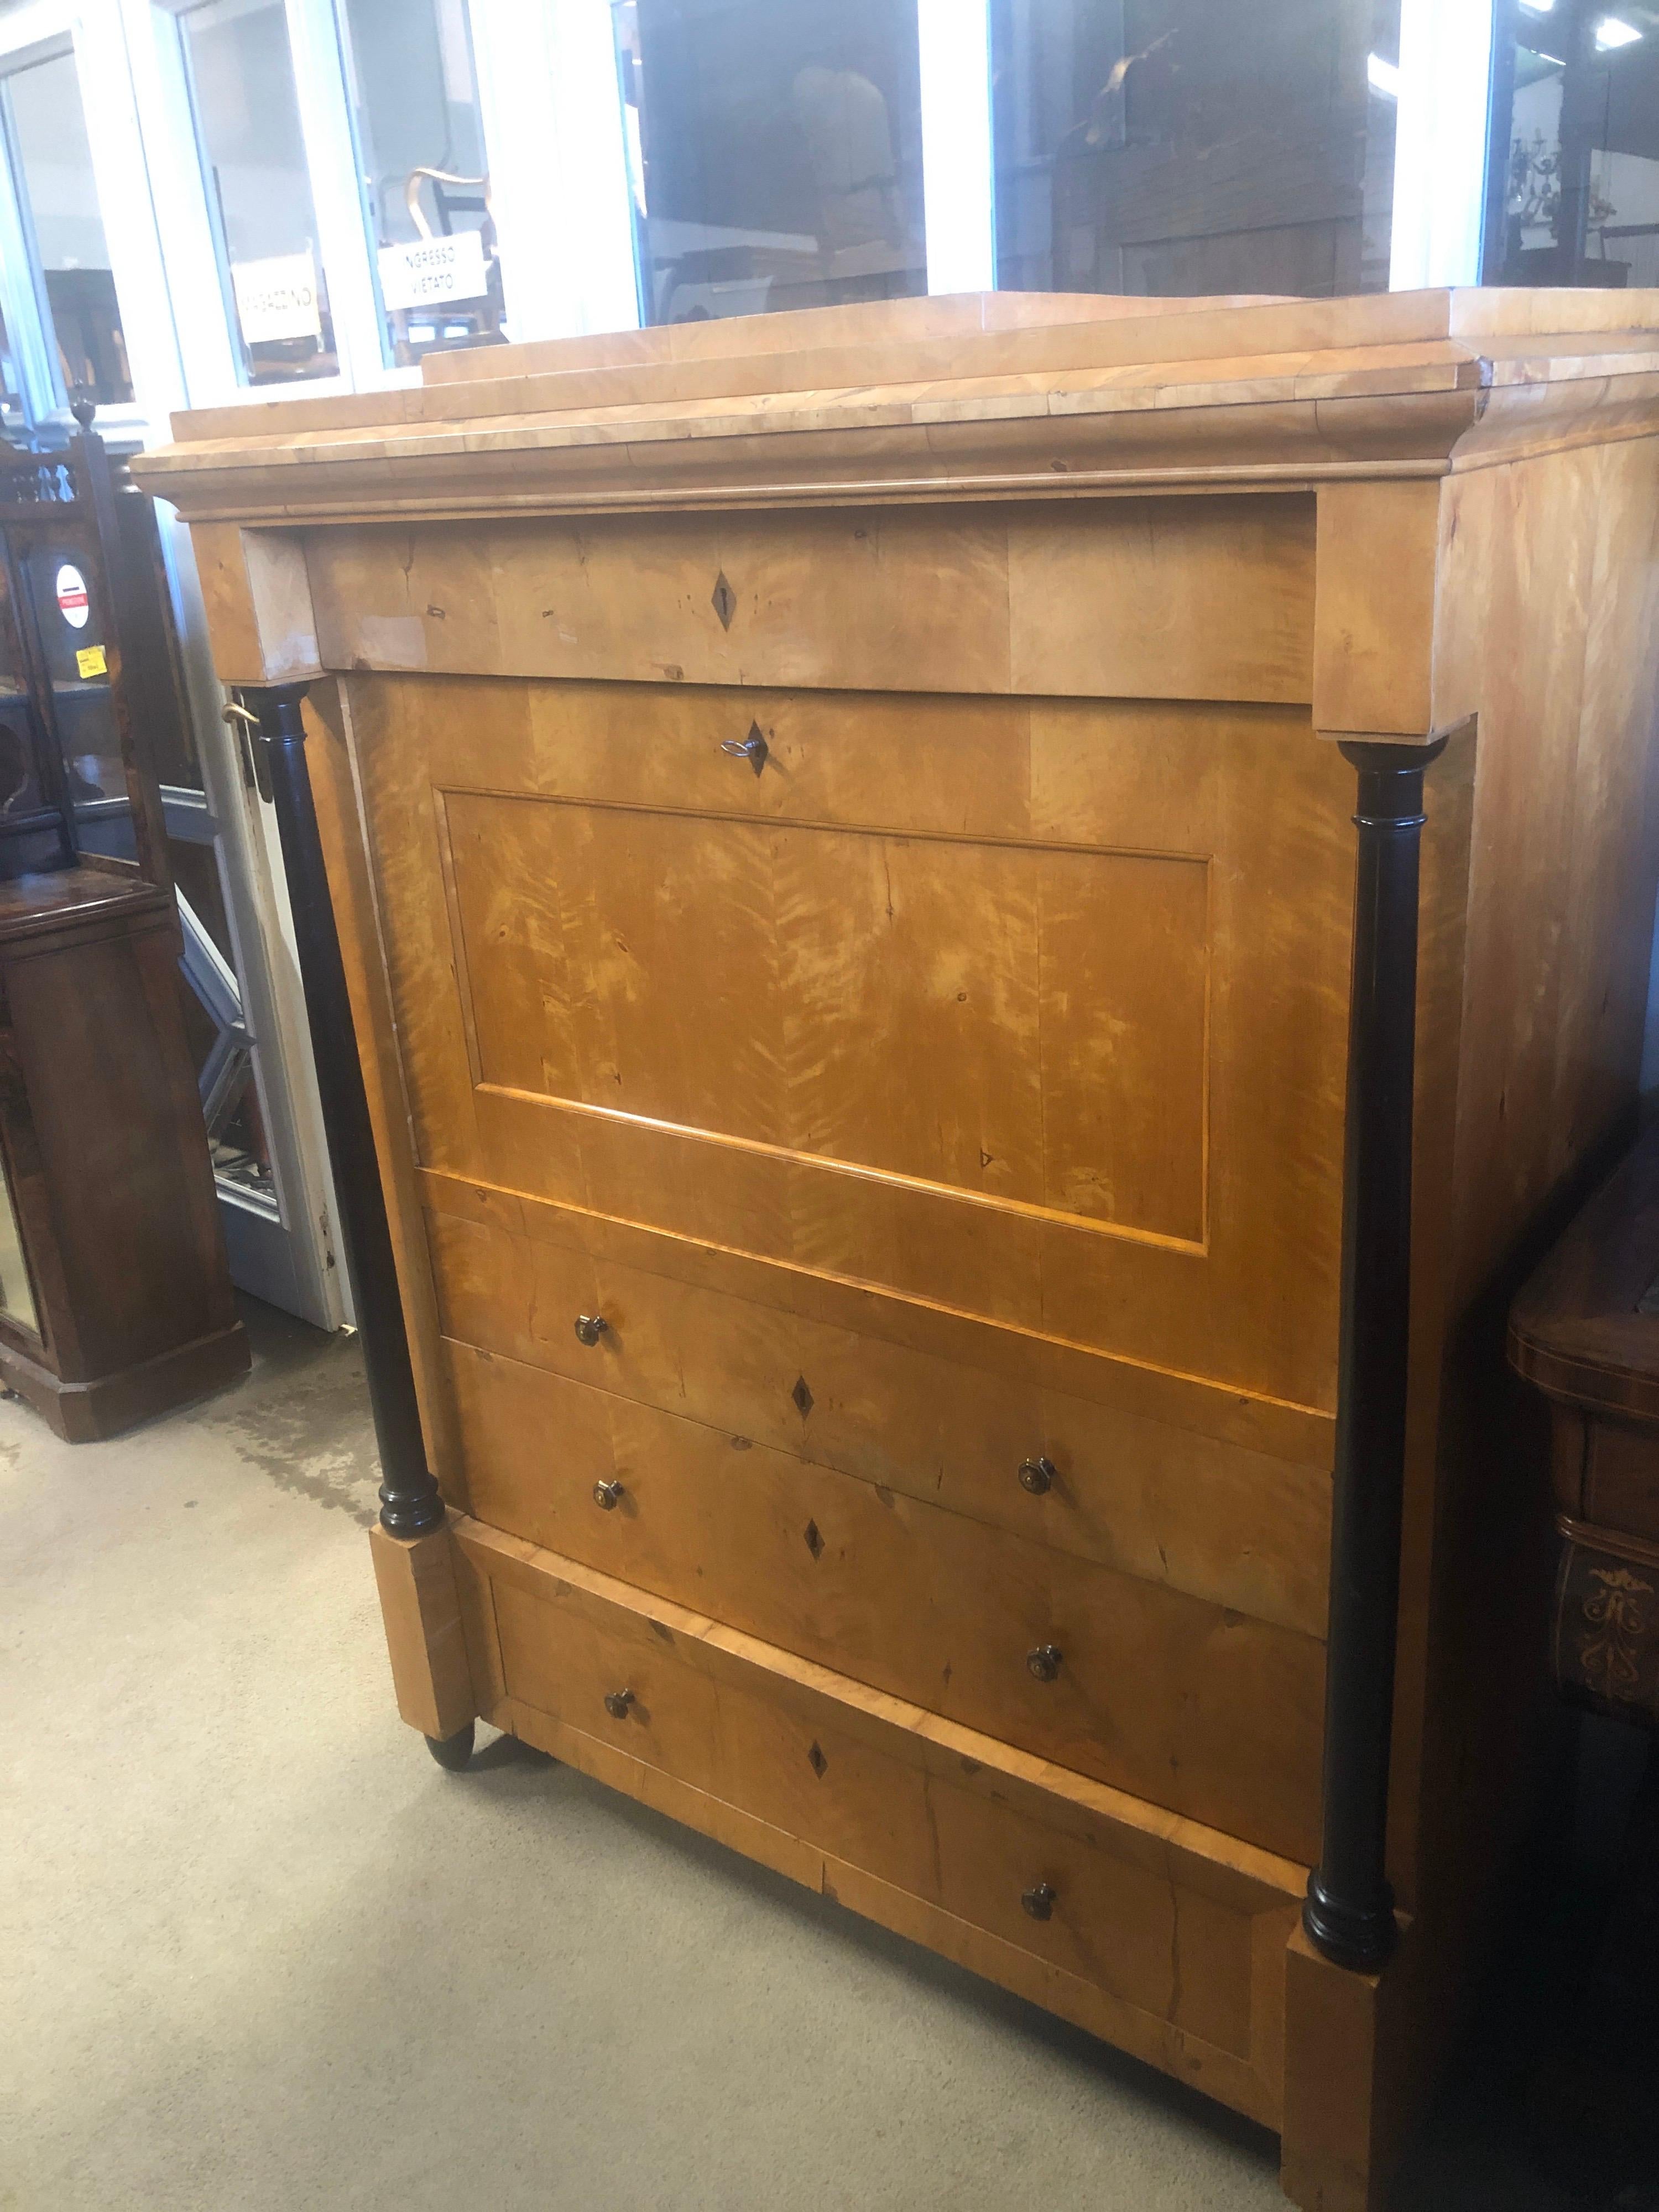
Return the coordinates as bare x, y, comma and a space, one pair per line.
776, 152
46, 128
240, 71
1580, 153
16, 1293
11, 397
420, 145
1176, 148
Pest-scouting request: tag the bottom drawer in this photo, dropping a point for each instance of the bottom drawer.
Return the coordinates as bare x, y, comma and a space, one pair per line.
1162, 1936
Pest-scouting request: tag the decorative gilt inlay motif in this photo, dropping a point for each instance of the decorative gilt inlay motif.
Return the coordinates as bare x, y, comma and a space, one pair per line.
1616, 1620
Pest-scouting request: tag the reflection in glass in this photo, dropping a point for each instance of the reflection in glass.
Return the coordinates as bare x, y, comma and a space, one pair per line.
10, 396
219, 1045
47, 128
420, 144
16, 1296
248, 120
67, 622
32, 837
1179, 148
776, 152
1580, 155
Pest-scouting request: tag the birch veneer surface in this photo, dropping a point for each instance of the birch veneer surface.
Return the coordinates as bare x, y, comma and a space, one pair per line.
847, 881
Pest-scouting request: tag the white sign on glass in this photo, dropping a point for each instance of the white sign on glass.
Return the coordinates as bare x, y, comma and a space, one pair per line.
71, 589
277, 298
434, 269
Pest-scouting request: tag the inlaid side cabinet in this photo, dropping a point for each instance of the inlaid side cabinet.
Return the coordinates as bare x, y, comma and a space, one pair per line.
981, 935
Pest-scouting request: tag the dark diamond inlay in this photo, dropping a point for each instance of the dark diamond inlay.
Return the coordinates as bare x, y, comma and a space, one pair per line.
724, 600
817, 1762
802, 1396
814, 1542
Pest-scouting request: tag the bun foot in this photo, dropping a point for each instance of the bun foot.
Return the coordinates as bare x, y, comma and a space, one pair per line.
453, 1752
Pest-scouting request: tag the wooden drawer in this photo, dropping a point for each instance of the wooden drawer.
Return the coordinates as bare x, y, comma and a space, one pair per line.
1242, 1529
1185, 599
1166, 1938
1176, 1700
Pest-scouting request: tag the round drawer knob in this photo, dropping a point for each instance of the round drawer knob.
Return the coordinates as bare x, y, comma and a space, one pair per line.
1039, 1902
1037, 1475
1044, 1661
616, 1702
589, 1328
607, 1496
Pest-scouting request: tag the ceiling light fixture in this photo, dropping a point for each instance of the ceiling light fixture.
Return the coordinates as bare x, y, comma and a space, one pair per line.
1613, 31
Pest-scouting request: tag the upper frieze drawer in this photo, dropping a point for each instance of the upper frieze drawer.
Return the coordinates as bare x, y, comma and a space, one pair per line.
1184, 597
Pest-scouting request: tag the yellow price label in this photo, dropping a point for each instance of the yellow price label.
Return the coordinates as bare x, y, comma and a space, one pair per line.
91, 662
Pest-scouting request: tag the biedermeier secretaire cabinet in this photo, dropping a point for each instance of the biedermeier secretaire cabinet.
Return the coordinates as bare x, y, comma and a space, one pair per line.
891, 863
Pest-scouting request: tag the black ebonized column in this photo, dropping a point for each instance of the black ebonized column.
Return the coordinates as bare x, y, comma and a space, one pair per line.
409, 1503
1349, 1912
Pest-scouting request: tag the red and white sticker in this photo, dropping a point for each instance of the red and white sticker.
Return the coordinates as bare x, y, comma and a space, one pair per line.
72, 597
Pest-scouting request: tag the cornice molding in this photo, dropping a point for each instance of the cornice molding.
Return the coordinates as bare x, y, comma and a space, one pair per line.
1092, 404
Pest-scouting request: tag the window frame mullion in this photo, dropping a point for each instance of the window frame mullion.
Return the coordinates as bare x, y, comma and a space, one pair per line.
22, 281
317, 42
550, 100
197, 289
958, 150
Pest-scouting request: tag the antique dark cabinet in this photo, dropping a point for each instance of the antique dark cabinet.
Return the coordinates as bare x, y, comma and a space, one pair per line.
1585, 1330
115, 1301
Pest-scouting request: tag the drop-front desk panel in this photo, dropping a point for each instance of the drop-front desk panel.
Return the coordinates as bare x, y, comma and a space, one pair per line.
849, 884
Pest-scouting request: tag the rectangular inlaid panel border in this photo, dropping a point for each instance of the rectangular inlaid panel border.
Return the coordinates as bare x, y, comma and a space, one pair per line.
1194, 1200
